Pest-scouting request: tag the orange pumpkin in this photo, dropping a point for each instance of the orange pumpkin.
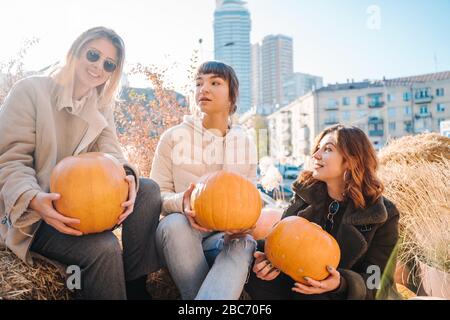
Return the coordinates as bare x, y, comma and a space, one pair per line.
92, 188
225, 201
268, 218
300, 249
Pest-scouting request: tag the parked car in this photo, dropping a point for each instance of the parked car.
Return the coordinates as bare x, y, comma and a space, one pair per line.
291, 172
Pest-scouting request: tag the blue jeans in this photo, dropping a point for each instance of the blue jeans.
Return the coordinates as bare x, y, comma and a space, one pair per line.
202, 264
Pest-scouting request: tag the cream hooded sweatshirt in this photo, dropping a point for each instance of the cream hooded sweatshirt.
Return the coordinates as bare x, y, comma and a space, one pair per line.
188, 151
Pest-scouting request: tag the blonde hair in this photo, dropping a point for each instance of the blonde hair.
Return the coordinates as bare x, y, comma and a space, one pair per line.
64, 75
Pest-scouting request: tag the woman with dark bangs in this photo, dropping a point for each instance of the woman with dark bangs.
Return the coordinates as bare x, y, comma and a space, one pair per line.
343, 195
203, 264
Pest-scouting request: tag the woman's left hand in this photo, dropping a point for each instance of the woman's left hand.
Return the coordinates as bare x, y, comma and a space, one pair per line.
129, 204
331, 283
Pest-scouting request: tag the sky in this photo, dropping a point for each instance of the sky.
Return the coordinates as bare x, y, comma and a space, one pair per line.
335, 39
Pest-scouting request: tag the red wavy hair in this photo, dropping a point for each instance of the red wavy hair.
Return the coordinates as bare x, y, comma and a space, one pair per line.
362, 185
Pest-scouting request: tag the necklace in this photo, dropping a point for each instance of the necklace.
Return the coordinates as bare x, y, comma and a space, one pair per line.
333, 208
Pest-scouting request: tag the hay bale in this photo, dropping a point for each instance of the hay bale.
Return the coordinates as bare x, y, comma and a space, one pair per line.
46, 281
20, 281
431, 147
416, 173
161, 286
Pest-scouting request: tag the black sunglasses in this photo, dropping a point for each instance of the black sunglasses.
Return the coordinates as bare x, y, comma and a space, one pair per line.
94, 56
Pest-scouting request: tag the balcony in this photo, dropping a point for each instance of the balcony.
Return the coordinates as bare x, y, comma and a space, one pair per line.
421, 130
330, 122
376, 133
422, 99
375, 100
331, 107
376, 104
424, 115
375, 120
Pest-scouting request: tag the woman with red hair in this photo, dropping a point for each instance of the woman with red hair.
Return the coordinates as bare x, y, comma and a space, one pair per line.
343, 195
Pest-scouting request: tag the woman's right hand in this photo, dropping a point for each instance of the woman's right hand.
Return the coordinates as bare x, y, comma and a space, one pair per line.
42, 203
263, 268
188, 212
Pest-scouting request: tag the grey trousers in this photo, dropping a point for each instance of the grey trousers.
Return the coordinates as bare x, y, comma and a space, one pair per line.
104, 267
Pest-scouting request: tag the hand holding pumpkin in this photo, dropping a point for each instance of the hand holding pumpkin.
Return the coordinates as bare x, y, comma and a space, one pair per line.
188, 212
42, 204
263, 268
331, 283
129, 204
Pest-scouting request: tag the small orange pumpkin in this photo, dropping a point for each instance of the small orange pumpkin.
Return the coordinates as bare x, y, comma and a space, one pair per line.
92, 188
225, 201
300, 249
268, 218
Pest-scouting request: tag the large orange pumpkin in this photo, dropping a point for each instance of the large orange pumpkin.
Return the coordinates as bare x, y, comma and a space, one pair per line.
300, 248
92, 188
225, 201
268, 218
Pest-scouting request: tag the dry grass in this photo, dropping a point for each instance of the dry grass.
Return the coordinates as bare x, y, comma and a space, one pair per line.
46, 281
428, 146
18, 280
416, 174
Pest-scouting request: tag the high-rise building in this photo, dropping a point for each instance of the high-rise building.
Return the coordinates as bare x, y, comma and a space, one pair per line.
232, 27
276, 66
299, 84
256, 76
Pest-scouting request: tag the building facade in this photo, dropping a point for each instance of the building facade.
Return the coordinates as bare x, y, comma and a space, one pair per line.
232, 25
299, 84
276, 66
384, 109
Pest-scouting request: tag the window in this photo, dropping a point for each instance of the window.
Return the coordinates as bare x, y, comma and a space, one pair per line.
408, 126
406, 96
375, 100
423, 110
391, 112
407, 110
360, 100
422, 93
440, 92
390, 97
346, 115
345, 101
331, 118
332, 104
392, 126
439, 122
440, 107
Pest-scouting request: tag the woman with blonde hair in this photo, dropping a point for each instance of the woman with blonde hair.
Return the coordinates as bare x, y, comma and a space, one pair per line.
47, 118
343, 195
